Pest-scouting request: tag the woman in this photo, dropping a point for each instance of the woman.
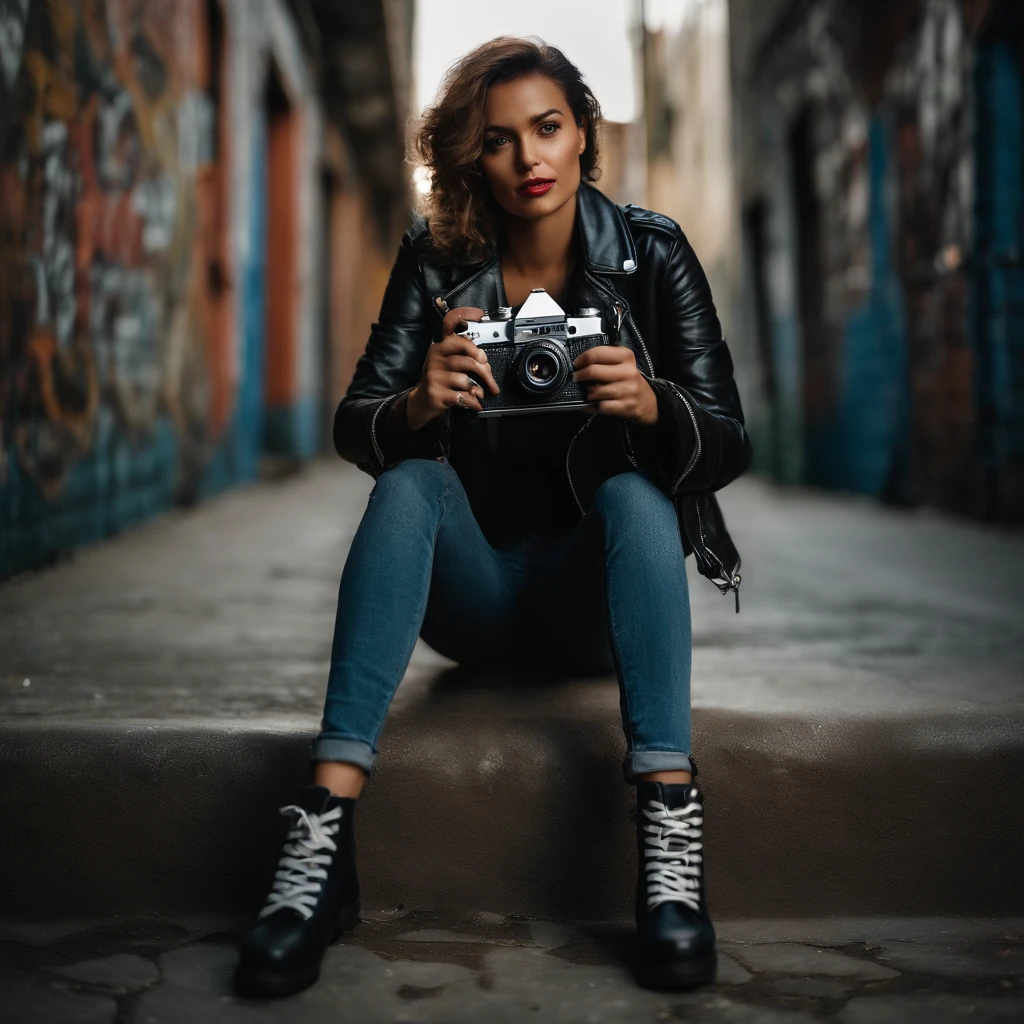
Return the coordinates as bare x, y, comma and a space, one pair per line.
476, 524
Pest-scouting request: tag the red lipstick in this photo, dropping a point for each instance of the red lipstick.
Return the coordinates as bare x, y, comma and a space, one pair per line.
535, 187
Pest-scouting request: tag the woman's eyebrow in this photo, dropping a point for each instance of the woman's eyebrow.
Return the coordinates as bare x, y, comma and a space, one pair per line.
533, 120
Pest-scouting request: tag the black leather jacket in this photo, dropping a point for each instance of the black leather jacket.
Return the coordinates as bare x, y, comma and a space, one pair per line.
640, 270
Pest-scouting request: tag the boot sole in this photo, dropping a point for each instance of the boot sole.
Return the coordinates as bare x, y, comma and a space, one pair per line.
673, 977
262, 983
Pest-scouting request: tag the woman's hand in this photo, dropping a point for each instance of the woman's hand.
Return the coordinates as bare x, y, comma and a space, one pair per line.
613, 380
446, 372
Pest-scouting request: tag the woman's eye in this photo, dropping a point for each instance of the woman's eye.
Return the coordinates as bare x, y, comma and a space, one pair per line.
492, 142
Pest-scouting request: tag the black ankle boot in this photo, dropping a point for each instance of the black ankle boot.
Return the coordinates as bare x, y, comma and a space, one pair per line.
675, 937
315, 897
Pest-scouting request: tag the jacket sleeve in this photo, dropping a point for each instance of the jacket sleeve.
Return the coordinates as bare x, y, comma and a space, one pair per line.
370, 426
699, 442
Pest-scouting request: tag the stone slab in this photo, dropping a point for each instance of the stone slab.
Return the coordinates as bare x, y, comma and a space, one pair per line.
167, 684
181, 817
374, 975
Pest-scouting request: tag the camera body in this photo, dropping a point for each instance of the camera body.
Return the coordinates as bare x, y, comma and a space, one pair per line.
531, 356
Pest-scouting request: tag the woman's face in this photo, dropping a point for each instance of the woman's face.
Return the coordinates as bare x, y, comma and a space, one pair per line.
531, 134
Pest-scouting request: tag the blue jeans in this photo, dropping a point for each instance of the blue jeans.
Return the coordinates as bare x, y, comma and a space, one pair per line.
420, 566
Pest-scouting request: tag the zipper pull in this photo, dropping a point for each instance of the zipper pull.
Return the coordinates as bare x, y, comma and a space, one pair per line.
736, 590
620, 309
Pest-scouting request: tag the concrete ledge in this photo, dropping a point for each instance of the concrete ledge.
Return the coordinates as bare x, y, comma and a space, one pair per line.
525, 812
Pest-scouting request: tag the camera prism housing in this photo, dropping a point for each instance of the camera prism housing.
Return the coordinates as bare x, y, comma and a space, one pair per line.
531, 356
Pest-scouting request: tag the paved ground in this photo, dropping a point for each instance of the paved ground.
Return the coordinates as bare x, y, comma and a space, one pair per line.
420, 966
850, 613
845, 606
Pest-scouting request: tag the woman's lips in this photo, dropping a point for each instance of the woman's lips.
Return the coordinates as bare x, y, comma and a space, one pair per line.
536, 190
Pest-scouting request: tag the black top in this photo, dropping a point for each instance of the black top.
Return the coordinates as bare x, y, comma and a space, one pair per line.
527, 487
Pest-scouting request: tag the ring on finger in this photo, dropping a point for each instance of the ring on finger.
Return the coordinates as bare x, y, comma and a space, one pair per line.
460, 398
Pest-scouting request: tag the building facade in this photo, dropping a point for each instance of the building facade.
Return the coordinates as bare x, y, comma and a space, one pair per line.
199, 204
879, 154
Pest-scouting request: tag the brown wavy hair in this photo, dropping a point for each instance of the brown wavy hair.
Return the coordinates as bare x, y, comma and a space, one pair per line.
463, 217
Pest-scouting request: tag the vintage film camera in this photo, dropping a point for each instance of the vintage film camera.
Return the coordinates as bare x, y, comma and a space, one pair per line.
531, 356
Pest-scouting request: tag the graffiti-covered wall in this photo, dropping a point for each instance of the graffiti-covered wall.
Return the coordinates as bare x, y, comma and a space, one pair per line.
882, 236
136, 186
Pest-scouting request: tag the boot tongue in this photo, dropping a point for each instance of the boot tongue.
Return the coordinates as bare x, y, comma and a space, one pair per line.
314, 799
677, 794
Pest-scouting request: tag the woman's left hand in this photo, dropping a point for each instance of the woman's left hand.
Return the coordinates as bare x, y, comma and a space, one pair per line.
614, 381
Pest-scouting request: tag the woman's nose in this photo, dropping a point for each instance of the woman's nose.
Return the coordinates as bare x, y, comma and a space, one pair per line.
528, 158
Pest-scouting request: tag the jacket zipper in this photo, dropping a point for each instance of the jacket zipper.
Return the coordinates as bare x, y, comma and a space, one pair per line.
373, 424
640, 338
462, 284
734, 582
568, 454
631, 455
448, 421
650, 375
447, 443
697, 448
726, 583
696, 452
617, 299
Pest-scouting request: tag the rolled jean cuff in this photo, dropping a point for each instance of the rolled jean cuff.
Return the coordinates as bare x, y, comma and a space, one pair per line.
639, 762
333, 747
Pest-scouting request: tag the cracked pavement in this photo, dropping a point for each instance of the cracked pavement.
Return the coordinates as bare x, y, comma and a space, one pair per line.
418, 965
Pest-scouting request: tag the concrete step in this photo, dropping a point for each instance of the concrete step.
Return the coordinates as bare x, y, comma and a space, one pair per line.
805, 815
859, 728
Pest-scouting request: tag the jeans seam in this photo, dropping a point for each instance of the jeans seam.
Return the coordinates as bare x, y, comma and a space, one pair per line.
433, 548
611, 638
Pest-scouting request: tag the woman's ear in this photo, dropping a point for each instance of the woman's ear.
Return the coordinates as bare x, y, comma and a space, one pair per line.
583, 126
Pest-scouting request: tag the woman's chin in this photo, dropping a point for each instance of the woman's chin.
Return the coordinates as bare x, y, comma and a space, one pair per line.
528, 208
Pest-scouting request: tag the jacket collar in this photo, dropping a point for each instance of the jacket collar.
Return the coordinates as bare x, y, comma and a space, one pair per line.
607, 243
603, 235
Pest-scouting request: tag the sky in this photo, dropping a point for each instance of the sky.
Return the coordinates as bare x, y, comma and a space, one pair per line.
593, 34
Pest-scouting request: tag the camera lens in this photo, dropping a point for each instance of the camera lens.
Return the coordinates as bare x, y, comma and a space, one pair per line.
542, 367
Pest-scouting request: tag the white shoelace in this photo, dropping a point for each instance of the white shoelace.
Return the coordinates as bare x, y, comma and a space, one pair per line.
673, 863
301, 870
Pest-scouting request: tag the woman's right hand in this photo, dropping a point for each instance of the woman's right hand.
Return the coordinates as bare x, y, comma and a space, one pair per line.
446, 372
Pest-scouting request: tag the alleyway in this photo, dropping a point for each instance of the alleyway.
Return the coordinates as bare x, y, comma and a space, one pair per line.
227, 610
158, 693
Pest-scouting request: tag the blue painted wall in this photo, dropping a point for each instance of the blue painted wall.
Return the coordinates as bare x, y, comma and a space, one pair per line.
116, 485
998, 271
866, 440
